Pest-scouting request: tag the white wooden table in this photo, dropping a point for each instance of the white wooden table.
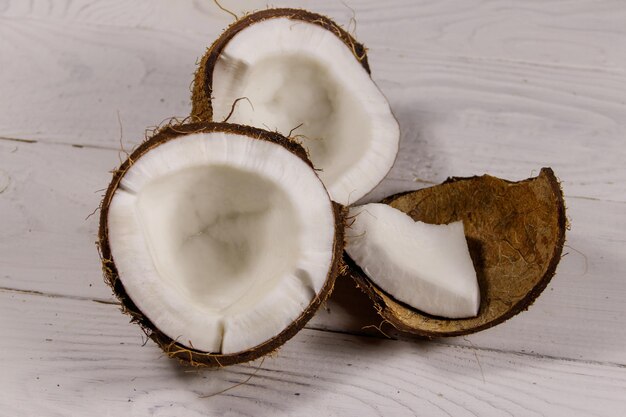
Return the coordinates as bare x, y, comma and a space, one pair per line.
503, 87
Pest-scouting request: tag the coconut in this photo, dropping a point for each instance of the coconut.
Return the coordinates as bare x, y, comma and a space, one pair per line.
514, 231
219, 240
304, 76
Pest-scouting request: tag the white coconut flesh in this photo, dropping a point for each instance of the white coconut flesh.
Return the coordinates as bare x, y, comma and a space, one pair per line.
221, 240
423, 265
296, 73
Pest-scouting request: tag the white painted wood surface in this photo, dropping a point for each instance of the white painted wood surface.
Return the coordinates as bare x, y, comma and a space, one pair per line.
81, 358
503, 87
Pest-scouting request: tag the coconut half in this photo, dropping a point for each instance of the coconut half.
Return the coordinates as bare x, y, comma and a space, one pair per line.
304, 76
515, 233
220, 240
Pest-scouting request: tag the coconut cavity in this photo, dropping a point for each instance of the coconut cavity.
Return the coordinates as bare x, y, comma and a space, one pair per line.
301, 76
425, 266
515, 233
209, 232
220, 239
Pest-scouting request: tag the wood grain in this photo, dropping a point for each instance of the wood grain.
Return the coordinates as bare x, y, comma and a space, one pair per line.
81, 358
459, 115
48, 246
577, 33
478, 86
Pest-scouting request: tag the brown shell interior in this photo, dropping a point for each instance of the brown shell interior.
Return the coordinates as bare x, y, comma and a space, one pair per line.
515, 233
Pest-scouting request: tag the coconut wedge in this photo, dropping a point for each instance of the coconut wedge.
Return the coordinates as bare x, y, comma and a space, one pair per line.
515, 232
426, 266
220, 240
304, 76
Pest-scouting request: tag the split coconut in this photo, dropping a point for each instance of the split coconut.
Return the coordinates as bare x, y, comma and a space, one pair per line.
220, 240
418, 275
302, 75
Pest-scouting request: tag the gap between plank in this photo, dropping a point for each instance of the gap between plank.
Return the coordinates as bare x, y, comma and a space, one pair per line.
112, 148
351, 333
54, 143
57, 295
476, 348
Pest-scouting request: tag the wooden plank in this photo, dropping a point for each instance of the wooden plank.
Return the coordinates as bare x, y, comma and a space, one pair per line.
49, 190
478, 86
92, 75
77, 358
458, 116
48, 246
464, 118
575, 33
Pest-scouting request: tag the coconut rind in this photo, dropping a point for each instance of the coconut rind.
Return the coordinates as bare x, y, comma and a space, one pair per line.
201, 95
171, 347
515, 233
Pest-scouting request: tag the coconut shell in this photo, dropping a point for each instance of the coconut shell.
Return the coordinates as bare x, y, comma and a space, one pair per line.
202, 91
171, 347
515, 233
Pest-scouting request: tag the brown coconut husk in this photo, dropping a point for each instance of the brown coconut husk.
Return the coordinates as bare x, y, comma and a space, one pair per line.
171, 347
515, 233
203, 82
